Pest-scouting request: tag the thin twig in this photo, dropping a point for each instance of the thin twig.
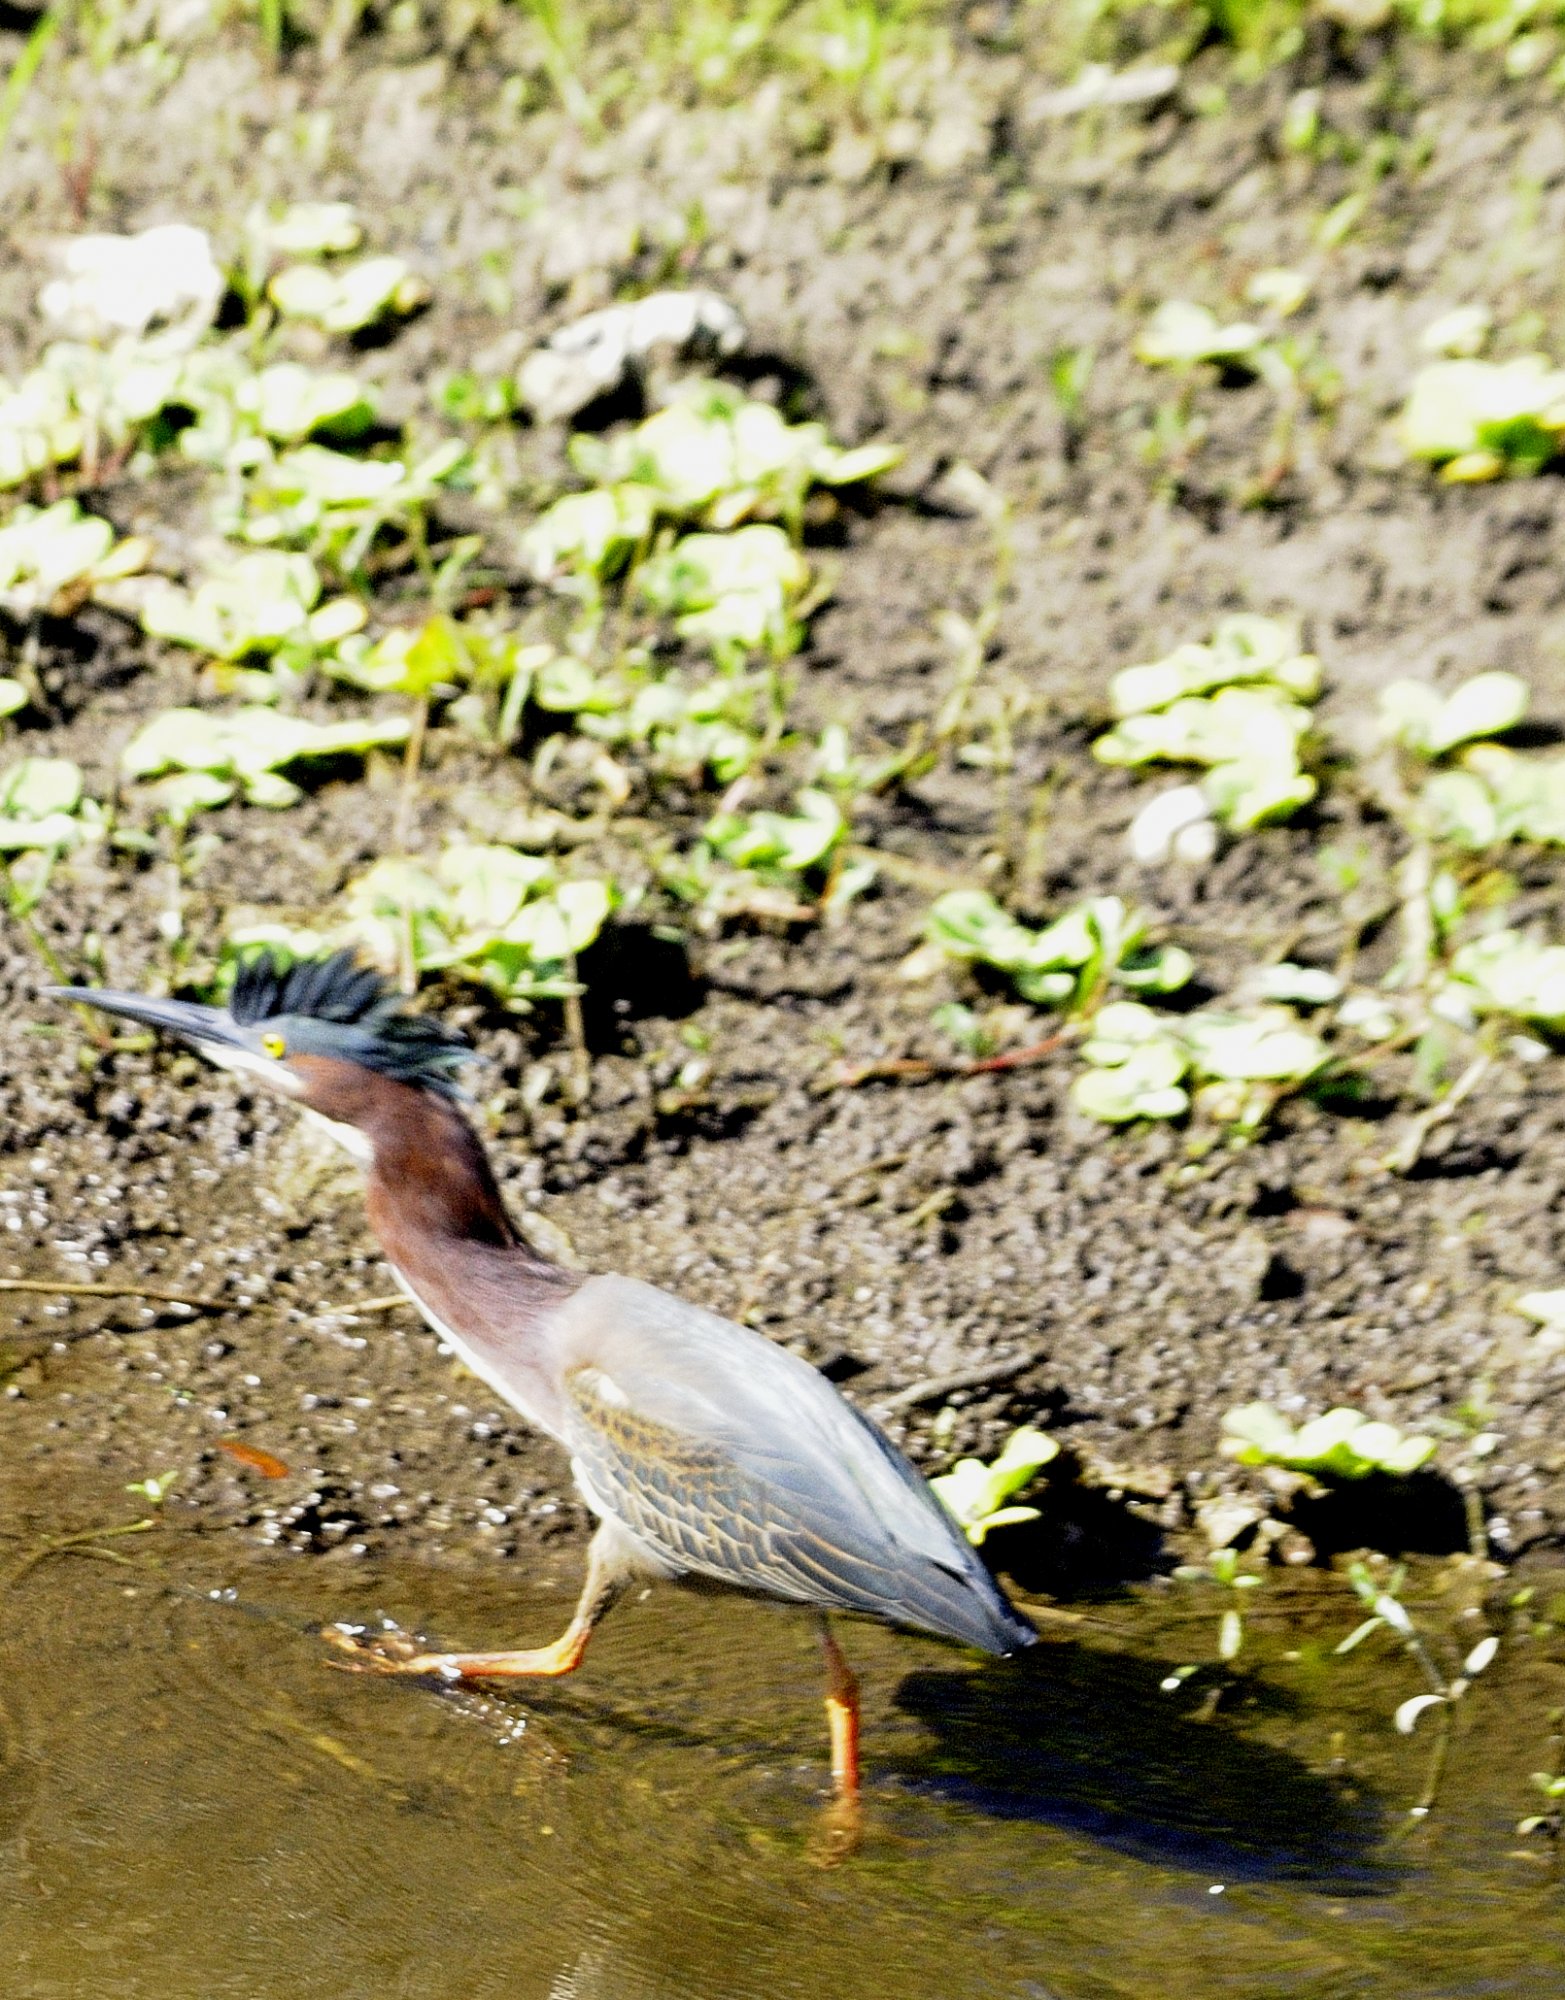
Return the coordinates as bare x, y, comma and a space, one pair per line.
915, 874
61, 1288
97, 1029
64, 1288
1435, 1771
981, 1376
411, 756
928, 1209
1406, 1155
65, 1543
919, 1069
1418, 923
576, 1037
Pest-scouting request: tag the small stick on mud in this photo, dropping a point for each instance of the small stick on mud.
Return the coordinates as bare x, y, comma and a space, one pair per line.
1406, 1155
915, 874
83, 1543
919, 1069
412, 756
983, 1375
62, 1288
576, 1037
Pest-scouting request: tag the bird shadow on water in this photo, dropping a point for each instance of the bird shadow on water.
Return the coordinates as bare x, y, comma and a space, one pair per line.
1087, 1740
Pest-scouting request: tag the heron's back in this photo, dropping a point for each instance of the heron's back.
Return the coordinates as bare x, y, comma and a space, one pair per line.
726, 1455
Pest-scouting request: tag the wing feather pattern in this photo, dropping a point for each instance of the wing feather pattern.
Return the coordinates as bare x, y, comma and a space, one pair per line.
732, 1458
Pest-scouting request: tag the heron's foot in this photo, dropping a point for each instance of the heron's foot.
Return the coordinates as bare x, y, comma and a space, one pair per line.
385, 1652
393, 1652
839, 1832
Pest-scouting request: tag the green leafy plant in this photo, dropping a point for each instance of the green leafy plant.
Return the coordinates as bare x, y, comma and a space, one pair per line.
1294, 985
155, 1488
669, 727
1342, 1444
1235, 704
504, 920
1509, 973
1387, 1612
732, 593
1181, 334
486, 676
214, 755
305, 229
1222, 1568
979, 1495
1142, 1063
348, 298
222, 411
716, 727
1480, 419
52, 557
719, 455
78, 400
336, 507
43, 806
265, 602
1495, 795
851, 773
589, 536
1069, 962
1137, 1071
790, 843
1430, 724
1245, 650
1551, 1784
768, 864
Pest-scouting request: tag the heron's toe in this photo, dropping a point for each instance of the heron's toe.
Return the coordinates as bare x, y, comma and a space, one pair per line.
366, 1652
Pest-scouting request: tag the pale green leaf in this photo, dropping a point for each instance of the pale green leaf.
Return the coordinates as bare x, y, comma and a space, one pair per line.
1489, 704
1513, 411
347, 298
1342, 1444
307, 229
38, 787
1180, 334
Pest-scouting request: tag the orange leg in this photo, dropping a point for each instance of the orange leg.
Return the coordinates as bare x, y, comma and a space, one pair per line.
842, 1827
842, 1718
393, 1653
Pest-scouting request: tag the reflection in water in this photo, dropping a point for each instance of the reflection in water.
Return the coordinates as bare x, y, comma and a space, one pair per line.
193, 1806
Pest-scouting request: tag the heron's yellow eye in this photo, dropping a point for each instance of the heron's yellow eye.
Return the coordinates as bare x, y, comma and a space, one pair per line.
274, 1046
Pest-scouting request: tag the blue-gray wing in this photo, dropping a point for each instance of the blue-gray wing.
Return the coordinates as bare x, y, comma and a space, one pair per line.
727, 1456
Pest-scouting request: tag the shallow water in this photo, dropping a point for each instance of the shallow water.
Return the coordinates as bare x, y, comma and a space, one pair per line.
194, 1806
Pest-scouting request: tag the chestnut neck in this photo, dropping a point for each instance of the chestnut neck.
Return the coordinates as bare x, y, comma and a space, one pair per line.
430, 1185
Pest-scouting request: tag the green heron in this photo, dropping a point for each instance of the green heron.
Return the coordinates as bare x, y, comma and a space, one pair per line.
704, 1450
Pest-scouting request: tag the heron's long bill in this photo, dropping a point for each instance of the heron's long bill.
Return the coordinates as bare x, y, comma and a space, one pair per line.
208, 1027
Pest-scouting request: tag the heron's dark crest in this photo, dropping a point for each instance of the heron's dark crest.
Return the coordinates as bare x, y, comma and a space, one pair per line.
367, 1021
